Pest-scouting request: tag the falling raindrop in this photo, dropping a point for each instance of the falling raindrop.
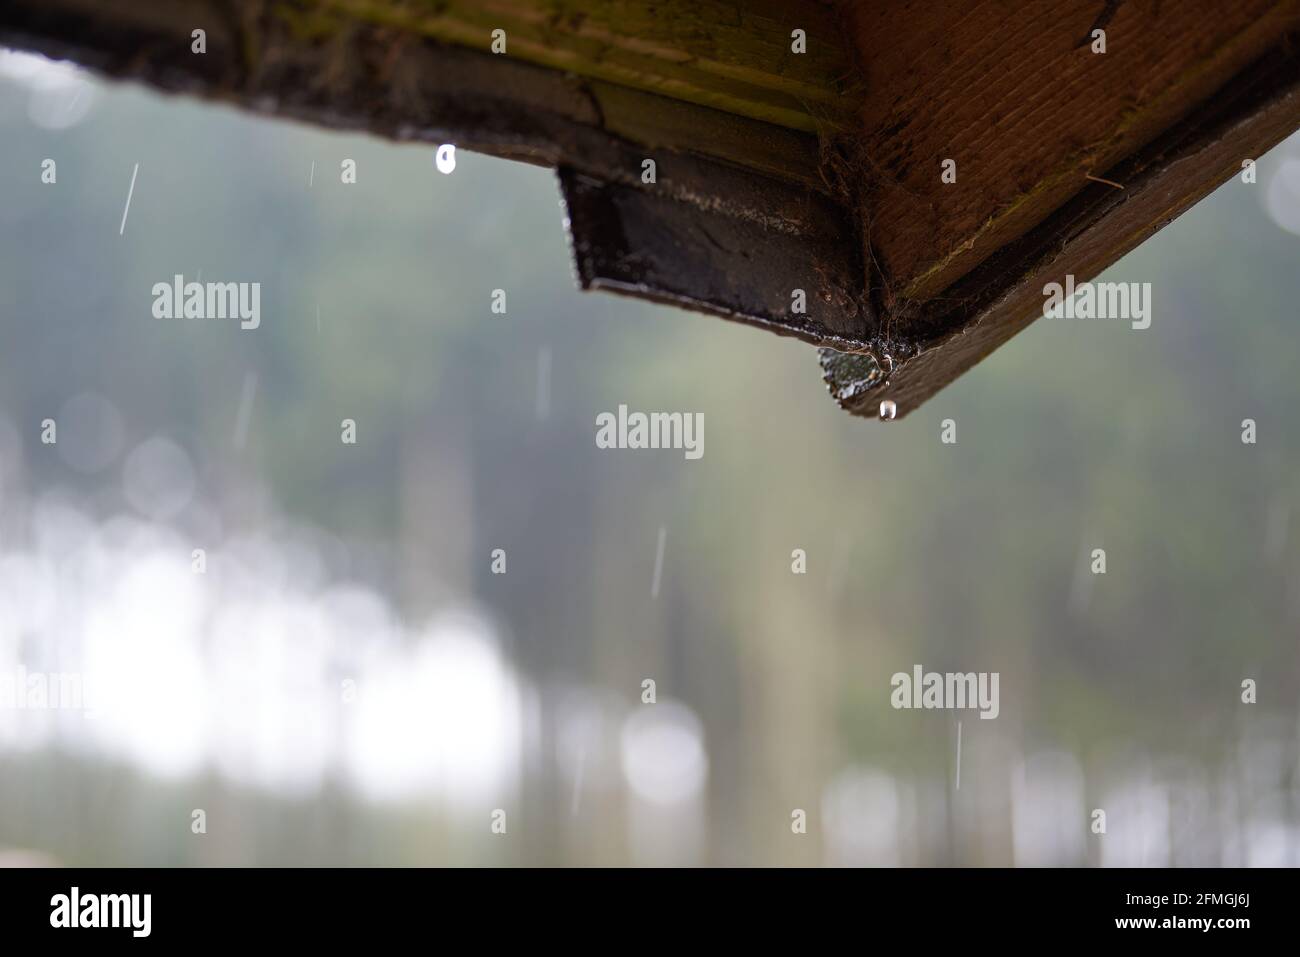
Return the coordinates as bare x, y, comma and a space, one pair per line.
888, 409
445, 158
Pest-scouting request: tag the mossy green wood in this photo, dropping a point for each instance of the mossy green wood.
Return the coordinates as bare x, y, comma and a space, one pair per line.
734, 57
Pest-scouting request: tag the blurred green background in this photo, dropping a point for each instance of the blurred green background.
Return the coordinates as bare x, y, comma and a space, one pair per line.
349, 683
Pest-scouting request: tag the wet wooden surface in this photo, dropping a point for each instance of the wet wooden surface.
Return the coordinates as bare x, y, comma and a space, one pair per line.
777, 171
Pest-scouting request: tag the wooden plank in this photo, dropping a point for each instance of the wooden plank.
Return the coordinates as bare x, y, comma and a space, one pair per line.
1013, 92
652, 244
916, 279
731, 56
651, 121
732, 234
1251, 114
366, 77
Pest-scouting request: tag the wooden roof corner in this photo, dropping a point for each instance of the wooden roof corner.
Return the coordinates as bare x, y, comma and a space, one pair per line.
776, 170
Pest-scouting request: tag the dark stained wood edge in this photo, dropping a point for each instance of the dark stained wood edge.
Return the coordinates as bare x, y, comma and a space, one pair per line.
652, 245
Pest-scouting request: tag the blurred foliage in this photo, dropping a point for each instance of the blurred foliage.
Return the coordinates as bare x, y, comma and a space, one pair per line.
966, 557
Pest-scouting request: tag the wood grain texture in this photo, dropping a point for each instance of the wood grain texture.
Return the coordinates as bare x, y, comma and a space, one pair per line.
384, 69
1245, 118
1012, 91
732, 56
919, 279
737, 218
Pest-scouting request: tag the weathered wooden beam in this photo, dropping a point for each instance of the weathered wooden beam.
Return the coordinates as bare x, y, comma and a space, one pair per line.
700, 256
375, 57
1016, 95
737, 218
777, 171
734, 57
1193, 137
1004, 294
